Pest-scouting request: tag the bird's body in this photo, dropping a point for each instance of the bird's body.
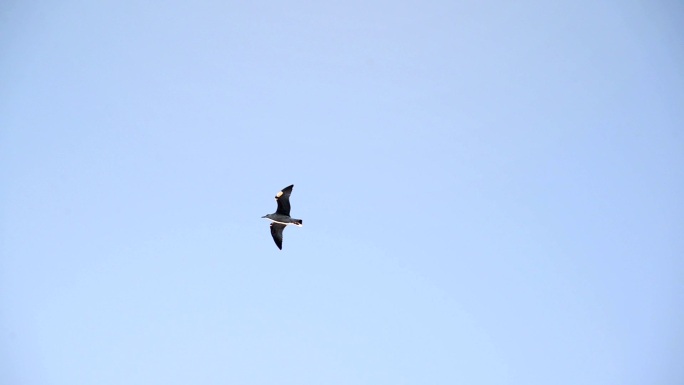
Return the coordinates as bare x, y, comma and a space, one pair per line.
281, 218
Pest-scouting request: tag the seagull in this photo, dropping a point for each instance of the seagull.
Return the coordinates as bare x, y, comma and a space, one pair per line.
281, 217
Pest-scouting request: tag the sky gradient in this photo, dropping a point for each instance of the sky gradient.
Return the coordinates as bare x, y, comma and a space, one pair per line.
492, 193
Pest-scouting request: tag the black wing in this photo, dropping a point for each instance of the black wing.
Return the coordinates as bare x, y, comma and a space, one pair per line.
277, 233
283, 199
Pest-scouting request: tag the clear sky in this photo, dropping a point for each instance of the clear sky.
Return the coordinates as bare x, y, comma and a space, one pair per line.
492, 192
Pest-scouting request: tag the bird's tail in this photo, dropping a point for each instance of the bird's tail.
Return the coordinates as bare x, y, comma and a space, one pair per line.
297, 222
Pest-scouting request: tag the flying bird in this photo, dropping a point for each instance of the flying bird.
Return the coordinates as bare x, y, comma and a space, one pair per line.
281, 217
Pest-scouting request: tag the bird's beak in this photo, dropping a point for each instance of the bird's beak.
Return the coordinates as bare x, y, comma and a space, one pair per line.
264, 216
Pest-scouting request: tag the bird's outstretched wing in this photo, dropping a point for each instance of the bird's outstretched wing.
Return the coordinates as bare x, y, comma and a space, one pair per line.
283, 199
277, 233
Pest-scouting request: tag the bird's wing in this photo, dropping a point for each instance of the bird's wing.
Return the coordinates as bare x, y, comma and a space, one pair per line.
277, 233
283, 199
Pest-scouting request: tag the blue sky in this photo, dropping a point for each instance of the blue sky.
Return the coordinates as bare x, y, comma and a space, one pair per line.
491, 192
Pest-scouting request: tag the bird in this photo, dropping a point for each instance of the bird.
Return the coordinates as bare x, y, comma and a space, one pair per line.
281, 218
